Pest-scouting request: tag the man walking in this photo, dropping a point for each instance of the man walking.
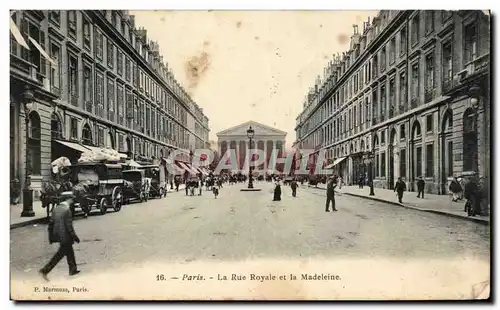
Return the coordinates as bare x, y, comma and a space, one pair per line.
61, 230
361, 181
293, 186
200, 182
472, 193
420, 187
400, 187
455, 189
330, 195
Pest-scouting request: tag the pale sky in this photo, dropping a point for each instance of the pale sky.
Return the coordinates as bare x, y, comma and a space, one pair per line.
251, 65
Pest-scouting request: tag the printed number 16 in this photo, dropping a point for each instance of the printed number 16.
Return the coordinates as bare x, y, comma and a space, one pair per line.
160, 277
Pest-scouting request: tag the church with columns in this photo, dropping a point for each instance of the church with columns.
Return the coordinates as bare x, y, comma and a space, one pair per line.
265, 138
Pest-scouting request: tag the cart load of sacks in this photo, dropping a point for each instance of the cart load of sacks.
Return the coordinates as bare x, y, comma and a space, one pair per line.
99, 156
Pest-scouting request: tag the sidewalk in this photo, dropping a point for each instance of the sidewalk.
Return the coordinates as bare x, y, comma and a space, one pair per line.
440, 204
17, 221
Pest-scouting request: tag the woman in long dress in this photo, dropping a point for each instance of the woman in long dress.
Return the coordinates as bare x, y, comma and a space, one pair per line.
277, 192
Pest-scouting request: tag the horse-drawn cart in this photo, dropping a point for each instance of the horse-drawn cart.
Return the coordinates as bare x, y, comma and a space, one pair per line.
136, 186
99, 185
158, 184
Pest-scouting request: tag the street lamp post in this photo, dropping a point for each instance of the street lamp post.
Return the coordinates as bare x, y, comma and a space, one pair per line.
191, 154
371, 155
27, 190
368, 158
250, 135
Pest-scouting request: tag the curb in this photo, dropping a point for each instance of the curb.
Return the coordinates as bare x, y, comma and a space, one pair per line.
28, 223
43, 220
468, 218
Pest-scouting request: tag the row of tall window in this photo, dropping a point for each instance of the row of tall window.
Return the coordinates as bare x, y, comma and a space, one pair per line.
394, 102
124, 67
370, 71
92, 83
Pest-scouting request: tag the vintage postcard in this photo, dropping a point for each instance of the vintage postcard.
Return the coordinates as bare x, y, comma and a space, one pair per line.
250, 155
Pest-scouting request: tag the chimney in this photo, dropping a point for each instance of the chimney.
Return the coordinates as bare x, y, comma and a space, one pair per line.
143, 34
132, 21
368, 23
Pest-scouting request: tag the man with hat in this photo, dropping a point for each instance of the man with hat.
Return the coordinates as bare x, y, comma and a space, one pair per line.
330, 194
420, 186
61, 230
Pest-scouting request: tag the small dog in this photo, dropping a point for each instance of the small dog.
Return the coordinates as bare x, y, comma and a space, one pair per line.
215, 190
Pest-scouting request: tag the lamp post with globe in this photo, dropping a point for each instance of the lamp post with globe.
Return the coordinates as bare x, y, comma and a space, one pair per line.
368, 159
250, 188
27, 190
250, 135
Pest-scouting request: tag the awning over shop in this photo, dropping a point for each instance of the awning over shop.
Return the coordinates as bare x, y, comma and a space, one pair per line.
186, 167
42, 51
336, 162
17, 34
132, 163
202, 170
177, 169
93, 148
74, 146
98, 149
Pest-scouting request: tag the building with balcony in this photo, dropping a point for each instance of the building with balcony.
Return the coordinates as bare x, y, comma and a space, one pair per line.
93, 79
414, 89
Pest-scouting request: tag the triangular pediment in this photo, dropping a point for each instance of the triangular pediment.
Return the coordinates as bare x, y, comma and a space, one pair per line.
259, 129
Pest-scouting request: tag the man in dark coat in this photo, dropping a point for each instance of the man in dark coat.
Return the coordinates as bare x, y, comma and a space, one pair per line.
61, 230
420, 187
455, 188
361, 181
400, 188
293, 186
330, 195
177, 182
277, 192
473, 196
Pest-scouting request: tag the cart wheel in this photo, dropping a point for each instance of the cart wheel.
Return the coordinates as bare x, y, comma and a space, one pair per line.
116, 198
103, 206
117, 205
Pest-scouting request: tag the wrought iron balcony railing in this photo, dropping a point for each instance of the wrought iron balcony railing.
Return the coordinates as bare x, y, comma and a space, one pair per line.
429, 94
414, 102
447, 84
89, 106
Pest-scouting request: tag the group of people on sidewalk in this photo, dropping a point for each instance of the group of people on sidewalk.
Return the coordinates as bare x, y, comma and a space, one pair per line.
471, 190
400, 188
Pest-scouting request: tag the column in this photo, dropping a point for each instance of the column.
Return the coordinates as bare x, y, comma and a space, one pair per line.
247, 156
238, 154
265, 155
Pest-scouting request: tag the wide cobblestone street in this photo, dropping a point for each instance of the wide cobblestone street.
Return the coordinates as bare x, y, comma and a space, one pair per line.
249, 226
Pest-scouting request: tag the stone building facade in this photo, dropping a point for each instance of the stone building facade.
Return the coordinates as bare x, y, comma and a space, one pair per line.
266, 139
93, 78
414, 89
